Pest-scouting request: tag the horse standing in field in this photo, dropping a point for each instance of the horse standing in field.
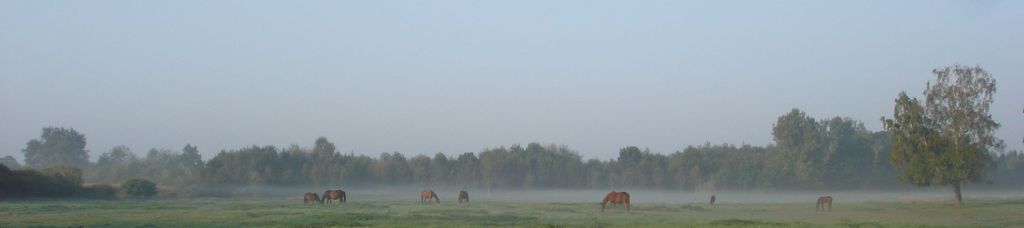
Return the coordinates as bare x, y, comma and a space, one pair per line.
311, 197
463, 196
426, 195
616, 198
335, 195
712, 203
821, 203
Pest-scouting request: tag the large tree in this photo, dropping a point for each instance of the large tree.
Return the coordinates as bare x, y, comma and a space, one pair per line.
947, 140
57, 146
322, 147
799, 137
190, 157
119, 155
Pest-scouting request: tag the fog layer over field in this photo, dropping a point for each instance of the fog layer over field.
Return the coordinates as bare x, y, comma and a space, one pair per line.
448, 195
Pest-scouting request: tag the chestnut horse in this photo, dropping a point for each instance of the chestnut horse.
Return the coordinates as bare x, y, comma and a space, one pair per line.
425, 196
335, 195
311, 197
463, 196
821, 203
616, 198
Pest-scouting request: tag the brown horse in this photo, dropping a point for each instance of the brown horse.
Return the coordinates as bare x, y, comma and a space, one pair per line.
311, 197
425, 196
616, 198
463, 196
712, 203
821, 203
335, 195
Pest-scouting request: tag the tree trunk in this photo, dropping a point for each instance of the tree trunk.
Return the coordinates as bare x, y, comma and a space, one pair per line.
956, 190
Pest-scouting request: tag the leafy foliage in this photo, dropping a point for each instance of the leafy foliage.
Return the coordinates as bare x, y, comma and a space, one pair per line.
949, 139
140, 188
834, 153
57, 146
101, 191
10, 162
808, 153
847, 146
56, 181
164, 166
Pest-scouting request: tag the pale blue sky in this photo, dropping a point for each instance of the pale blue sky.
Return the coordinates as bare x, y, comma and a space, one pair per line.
461, 76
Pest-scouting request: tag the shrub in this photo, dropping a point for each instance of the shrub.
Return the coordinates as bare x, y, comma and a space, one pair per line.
56, 181
139, 188
64, 180
100, 191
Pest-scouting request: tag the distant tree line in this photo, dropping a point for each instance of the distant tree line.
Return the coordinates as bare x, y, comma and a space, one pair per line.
836, 153
165, 166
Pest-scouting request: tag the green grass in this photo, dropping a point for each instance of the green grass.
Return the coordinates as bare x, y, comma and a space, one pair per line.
245, 212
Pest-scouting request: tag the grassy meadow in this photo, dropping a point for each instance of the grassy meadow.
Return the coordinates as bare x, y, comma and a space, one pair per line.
291, 212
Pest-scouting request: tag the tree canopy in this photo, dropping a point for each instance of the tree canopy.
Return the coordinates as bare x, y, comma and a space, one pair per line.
57, 146
947, 140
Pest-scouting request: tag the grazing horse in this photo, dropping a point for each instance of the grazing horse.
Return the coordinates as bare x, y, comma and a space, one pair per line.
335, 195
821, 203
463, 196
712, 203
425, 196
616, 198
311, 197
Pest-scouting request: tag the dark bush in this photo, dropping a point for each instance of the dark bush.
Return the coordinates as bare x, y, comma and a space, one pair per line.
101, 191
64, 180
57, 181
139, 188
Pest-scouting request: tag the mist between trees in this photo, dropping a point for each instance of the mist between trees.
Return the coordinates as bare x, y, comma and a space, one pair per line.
807, 154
